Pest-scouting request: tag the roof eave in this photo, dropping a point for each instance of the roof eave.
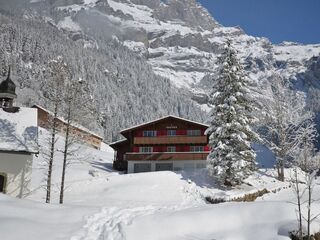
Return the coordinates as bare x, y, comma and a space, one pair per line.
124, 131
19, 151
113, 144
80, 127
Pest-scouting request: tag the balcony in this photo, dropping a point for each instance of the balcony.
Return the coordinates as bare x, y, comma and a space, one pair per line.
170, 140
163, 156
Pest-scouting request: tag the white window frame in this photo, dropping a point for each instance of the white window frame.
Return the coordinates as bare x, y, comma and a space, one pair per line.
171, 149
194, 132
196, 148
149, 133
145, 149
171, 132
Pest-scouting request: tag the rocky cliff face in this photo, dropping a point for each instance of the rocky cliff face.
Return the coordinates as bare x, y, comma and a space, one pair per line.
181, 40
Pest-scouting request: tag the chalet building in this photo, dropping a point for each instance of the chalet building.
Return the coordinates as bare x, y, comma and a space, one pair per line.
84, 135
169, 143
18, 142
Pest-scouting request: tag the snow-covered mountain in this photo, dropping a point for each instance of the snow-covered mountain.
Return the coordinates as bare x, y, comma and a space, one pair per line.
178, 38
122, 85
181, 40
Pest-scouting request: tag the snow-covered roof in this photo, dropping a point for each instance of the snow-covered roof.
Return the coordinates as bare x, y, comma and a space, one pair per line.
75, 125
118, 142
163, 118
19, 130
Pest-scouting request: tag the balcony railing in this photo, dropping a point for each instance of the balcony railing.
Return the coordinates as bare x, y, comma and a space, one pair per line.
170, 140
163, 156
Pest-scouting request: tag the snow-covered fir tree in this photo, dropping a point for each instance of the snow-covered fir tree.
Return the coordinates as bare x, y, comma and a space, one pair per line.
232, 158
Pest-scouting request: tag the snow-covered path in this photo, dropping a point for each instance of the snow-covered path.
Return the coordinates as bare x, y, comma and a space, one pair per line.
107, 224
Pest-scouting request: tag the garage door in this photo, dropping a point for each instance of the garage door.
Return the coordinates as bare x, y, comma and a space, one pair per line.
142, 167
164, 166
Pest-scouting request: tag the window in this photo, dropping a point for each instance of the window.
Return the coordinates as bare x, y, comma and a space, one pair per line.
188, 166
171, 132
171, 149
193, 132
141, 167
196, 149
146, 149
201, 165
149, 133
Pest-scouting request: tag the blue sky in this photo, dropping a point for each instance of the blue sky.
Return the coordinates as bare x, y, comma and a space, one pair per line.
278, 20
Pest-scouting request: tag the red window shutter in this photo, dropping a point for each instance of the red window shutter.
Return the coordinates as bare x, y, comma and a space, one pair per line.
161, 133
180, 132
139, 134
135, 149
178, 149
186, 148
202, 131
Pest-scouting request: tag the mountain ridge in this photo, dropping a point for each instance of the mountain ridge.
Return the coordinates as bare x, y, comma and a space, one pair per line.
180, 40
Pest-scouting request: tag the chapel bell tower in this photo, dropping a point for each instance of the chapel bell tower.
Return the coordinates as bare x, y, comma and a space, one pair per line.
7, 92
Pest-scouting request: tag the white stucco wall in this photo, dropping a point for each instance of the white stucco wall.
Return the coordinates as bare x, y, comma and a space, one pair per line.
177, 165
17, 167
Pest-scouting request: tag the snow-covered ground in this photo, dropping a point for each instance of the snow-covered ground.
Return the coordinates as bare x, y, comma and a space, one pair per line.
103, 204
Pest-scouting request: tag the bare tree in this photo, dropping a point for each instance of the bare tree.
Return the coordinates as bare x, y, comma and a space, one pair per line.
53, 92
310, 176
305, 138
311, 169
284, 116
298, 193
76, 107
306, 161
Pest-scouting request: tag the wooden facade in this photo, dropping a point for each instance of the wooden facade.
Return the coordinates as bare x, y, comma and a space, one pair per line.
82, 134
165, 156
169, 139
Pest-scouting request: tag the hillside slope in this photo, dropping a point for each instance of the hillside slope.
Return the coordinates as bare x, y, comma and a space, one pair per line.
124, 89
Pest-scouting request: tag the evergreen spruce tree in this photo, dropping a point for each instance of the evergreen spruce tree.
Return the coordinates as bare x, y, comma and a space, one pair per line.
232, 158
